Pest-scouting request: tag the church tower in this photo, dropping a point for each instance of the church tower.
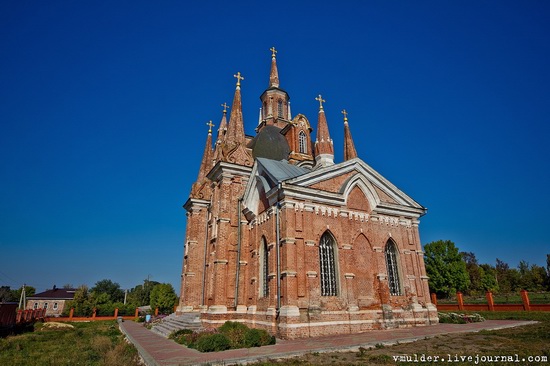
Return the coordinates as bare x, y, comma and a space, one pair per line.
275, 110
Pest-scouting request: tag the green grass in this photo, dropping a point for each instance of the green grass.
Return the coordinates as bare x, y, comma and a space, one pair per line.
92, 343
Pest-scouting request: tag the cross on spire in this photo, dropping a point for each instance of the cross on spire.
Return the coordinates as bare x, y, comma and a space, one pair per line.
239, 78
210, 125
345, 115
321, 101
224, 105
273, 52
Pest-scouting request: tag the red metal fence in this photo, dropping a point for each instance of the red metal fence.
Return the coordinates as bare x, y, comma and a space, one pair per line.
490, 305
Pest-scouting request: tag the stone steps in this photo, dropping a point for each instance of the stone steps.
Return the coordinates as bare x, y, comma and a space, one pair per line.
175, 322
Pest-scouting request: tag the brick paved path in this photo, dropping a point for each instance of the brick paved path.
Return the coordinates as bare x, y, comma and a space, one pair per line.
159, 351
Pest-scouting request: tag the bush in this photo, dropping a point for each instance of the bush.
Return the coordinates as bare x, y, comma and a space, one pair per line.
183, 336
258, 338
235, 332
212, 343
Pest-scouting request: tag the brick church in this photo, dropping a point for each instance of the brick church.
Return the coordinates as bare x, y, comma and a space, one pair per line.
281, 237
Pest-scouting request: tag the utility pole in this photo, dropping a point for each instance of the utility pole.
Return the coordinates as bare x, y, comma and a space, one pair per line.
125, 295
22, 298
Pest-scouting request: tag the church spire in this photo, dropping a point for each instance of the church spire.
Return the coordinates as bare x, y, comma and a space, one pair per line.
349, 147
206, 163
200, 188
235, 131
324, 150
223, 125
274, 74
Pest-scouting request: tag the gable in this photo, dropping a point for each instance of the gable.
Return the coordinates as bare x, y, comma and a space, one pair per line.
341, 179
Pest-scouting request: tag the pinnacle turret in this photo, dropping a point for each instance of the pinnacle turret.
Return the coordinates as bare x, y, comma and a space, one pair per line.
349, 147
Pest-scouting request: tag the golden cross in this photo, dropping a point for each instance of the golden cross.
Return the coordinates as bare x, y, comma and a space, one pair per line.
224, 105
321, 101
210, 125
273, 51
345, 115
239, 78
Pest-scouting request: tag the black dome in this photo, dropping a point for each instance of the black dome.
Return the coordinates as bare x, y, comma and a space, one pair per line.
270, 144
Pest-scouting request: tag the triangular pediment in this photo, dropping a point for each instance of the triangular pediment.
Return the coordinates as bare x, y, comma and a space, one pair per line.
340, 179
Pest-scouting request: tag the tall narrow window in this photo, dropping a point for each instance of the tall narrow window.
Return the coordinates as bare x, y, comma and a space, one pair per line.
280, 108
327, 265
302, 142
264, 268
393, 268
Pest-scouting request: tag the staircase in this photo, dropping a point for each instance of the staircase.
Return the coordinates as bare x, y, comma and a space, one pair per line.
175, 322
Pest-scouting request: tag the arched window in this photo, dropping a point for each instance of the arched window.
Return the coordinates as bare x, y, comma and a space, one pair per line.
264, 110
393, 268
327, 264
280, 108
264, 268
302, 142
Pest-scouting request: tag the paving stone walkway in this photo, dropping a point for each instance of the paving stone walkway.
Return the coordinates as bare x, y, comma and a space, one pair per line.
159, 351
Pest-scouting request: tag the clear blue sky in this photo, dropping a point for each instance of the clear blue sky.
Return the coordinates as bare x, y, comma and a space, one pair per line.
103, 108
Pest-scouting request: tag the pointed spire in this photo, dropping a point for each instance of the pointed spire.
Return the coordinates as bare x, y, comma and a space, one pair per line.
206, 163
349, 147
235, 131
324, 151
274, 74
223, 125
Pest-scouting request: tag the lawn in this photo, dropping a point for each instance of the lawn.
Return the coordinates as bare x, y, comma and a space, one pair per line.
525, 341
89, 343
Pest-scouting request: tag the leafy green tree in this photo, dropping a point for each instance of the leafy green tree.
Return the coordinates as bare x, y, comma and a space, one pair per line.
489, 278
141, 294
112, 289
445, 268
81, 302
6, 294
475, 273
164, 297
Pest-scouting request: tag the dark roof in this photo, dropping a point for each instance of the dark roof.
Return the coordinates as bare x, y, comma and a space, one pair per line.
270, 143
282, 170
55, 293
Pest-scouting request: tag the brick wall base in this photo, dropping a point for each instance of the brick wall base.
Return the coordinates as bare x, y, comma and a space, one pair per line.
304, 323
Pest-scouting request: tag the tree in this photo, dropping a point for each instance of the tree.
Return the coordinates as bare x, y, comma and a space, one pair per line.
6, 294
489, 278
475, 273
81, 302
141, 294
445, 268
164, 297
110, 288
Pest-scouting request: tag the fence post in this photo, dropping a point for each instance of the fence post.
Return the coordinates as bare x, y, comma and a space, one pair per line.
156, 311
460, 300
116, 312
525, 300
136, 314
71, 314
94, 313
18, 317
434, 298
490, 300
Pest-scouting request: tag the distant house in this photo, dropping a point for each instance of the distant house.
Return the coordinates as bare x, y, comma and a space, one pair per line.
53, 300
